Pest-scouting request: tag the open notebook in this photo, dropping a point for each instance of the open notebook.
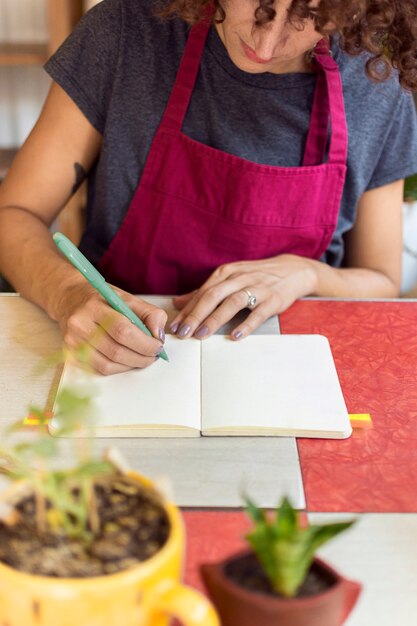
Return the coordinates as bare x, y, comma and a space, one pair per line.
264, 385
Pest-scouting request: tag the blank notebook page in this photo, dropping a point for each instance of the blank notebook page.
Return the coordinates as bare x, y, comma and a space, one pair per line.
276, 384
165, 394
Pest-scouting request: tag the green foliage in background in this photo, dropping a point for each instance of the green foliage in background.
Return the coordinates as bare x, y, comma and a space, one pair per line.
284, 549
410, 188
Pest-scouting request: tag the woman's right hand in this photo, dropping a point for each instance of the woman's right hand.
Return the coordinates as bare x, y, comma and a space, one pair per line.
113, 343
59, 152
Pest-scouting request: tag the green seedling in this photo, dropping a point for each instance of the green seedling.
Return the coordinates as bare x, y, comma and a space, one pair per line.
64, 498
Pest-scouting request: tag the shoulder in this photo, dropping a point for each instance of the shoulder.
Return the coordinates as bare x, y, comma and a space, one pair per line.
119, 34
382, 125
138, 18
363, 94
144, 37
141, 17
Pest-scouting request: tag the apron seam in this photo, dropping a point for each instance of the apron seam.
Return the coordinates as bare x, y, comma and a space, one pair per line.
231, 221
225, 157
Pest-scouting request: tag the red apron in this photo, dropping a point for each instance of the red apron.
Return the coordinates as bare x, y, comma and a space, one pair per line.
197, 207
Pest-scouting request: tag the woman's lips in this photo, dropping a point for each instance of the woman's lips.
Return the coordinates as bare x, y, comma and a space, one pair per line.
251, 54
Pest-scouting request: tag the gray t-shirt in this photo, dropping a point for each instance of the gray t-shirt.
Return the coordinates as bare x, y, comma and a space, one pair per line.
119, 67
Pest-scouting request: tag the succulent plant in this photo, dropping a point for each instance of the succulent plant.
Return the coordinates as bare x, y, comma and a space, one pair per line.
284, 548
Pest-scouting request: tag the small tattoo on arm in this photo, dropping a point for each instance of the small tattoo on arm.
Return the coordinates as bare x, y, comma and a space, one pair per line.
80, 175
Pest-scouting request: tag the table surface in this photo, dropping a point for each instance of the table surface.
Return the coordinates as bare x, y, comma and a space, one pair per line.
372, 476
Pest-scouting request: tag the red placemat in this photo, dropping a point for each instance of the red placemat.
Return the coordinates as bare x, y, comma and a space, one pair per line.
374, 345
211, 537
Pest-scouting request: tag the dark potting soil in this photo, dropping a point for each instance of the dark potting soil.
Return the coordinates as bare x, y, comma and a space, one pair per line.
133, 527
247, 572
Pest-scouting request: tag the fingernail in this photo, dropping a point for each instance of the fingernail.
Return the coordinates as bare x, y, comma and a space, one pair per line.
174, 327
201, 331
184, 330
161, 334
160, 349
237, 335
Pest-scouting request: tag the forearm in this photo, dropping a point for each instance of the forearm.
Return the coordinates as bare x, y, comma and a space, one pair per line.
373, 250
30, 261
333, 282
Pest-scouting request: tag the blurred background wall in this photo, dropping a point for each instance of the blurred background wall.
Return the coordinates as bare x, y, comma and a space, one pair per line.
22, 88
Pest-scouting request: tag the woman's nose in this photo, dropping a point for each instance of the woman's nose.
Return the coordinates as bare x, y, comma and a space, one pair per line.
269, 37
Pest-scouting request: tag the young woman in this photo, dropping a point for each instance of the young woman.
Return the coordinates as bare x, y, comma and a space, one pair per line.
248, 160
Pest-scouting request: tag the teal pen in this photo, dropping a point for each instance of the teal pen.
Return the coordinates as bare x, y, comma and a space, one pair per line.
98, 282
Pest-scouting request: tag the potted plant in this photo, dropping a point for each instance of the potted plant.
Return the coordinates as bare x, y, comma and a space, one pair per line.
94, 545
279, 581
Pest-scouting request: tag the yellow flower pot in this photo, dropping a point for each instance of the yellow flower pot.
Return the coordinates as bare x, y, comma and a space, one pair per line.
146, 595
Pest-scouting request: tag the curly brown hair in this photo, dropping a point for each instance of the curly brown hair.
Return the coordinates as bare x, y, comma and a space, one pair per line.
387, 29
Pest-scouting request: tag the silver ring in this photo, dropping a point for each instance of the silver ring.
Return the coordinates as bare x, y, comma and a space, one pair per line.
251, 304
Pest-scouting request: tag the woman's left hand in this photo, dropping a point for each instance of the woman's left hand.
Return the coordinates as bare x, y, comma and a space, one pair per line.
276, 283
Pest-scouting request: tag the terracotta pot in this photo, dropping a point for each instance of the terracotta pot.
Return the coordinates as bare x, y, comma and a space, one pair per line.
145, 595
241, 607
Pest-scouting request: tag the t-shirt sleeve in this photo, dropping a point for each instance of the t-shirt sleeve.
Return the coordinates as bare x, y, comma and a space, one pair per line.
85, 64
398, 158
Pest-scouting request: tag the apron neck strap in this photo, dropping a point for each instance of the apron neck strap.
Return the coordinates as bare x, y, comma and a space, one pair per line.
186, 76
328, 99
